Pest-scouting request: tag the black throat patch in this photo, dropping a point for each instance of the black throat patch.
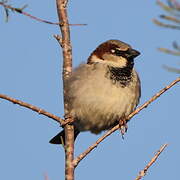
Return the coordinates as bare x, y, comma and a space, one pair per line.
123, 76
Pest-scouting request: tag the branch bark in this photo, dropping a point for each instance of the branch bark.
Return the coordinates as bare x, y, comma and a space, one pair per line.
143, 172
20, 11
67, 69
166, 25
33, 108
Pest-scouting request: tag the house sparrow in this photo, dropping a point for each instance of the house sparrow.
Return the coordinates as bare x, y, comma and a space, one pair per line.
104, 90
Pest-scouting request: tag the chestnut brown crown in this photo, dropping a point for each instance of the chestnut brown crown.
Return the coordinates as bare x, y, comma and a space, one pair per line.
114, 52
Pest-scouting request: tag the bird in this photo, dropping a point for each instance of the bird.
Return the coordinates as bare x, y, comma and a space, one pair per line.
102, 91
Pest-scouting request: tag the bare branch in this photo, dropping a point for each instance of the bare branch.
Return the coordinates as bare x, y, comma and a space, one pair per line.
86, 152
145, 105
174, 4
33, 108
59, 39
67, 69
20, 11
170, 18
143, 172
166, 25
164, 6
168, 51
171, 69
173, 7
170, 8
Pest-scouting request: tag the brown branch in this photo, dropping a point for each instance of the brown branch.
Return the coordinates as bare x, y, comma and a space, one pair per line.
175, 5
165, 25
170, 18
20, 11
59, 39
67, 69
172, 69
143, 172
86, 152
33, 108
168, 51
164, 6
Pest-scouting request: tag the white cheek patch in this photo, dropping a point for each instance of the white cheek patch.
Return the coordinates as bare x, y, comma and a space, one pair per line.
122, 62
116, 61
95, 59
113, 60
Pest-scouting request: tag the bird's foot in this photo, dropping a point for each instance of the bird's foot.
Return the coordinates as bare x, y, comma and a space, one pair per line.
123, 126
67, 119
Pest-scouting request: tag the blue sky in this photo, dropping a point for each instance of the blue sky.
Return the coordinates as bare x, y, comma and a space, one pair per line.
31, 71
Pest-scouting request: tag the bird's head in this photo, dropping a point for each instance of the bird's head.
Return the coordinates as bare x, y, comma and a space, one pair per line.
114, 53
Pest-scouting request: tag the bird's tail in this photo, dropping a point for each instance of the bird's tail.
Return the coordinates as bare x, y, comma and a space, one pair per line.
60, 137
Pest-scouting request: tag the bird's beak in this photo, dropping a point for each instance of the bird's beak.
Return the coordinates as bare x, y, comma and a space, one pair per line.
134, 53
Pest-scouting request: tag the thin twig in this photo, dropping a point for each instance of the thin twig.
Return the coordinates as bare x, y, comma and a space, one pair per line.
166, 25
168, 51
59, 39
143, 172
170, 18
86, 152
20, 11
175, 4
164, 6
33, 108
172, 7
172, 69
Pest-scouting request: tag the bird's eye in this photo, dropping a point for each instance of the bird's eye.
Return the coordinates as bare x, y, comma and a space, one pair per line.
117, 52
113, 51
